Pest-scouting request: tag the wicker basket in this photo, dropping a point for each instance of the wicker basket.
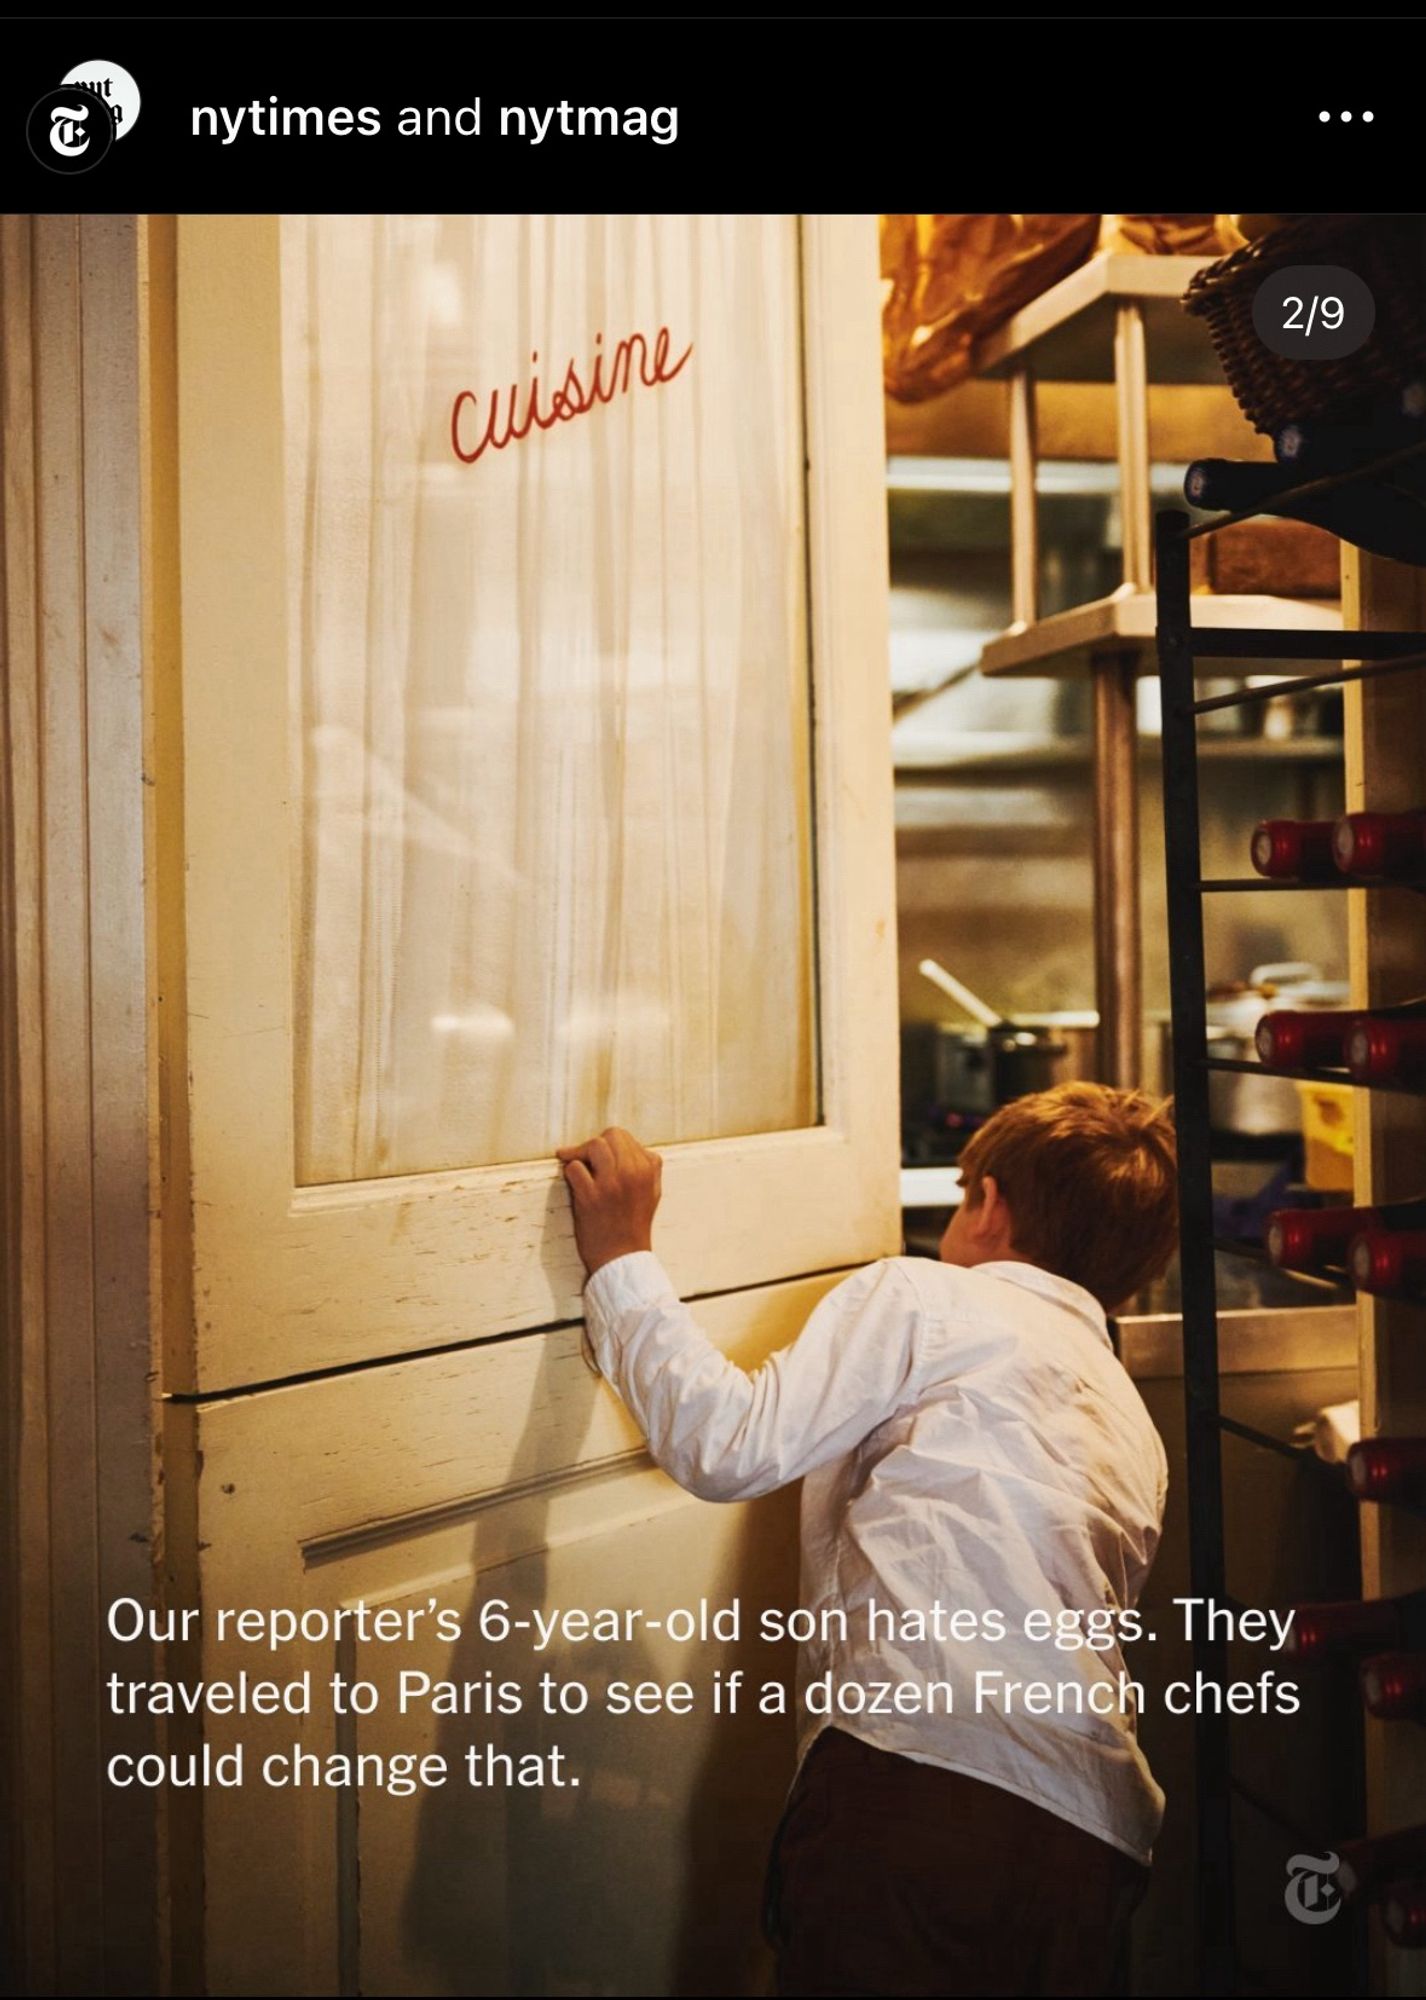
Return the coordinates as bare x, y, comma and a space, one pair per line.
1386, 251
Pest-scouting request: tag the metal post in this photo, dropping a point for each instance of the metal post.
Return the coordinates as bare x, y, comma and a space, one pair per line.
1118, 986
1118, 949
1131, 411
1024, 528
1196, 1258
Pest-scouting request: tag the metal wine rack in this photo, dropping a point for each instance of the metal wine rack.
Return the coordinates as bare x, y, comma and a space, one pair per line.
1181, 647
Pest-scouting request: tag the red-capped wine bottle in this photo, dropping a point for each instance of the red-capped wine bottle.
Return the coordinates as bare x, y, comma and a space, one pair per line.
1303, 1038
1387, 1044
1403, 1913
1389, 1262
1309, 1239
1394, 1686
1380, 844
1295, 850
1366, 1867
1361, 1625
1388, 1468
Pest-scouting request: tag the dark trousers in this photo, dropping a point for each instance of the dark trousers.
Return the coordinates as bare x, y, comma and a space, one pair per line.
893, 1877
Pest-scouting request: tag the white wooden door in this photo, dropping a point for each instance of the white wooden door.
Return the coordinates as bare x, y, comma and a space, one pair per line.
504, 813
536, 775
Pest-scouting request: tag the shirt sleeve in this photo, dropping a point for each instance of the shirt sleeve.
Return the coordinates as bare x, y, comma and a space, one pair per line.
726, 1434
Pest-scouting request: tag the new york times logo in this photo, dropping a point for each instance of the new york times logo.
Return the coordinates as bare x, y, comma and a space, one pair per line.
71, 129
1312, 1894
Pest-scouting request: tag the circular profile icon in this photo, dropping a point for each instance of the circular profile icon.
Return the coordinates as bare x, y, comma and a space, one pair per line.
112, 82
70, 130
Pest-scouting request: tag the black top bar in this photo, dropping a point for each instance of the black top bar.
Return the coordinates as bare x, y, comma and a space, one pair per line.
1299, 1452
1242, 697
1231, 1063
1249, 884
1256, 642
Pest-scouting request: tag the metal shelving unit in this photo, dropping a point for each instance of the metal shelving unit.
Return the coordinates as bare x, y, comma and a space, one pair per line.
1181, 646
1098, 325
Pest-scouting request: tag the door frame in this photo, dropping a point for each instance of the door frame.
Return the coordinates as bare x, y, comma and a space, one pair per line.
79, 554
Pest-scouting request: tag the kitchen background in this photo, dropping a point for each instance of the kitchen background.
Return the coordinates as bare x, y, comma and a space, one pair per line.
996, 807
995, 771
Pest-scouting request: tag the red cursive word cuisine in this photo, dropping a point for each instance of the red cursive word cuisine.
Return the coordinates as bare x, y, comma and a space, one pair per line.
610, 374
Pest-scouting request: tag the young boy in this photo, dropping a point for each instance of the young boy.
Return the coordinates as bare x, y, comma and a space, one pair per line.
983, 1495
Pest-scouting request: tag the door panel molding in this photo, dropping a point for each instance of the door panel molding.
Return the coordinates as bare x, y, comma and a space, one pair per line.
368, 1486
401, 1527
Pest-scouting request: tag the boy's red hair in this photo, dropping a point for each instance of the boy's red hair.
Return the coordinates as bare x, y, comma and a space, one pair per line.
1090, 1177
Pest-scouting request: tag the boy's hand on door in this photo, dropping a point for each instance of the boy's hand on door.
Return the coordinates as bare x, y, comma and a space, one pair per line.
614, 1187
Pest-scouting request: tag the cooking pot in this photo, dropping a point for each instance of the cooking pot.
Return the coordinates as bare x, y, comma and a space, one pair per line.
970, 1071
1023, 1060
960, 1075
1078, 1029
967, 1072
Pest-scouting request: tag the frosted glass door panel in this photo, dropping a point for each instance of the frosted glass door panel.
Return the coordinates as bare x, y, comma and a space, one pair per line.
551, 670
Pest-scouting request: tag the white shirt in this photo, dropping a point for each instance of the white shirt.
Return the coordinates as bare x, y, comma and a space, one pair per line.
967, 1439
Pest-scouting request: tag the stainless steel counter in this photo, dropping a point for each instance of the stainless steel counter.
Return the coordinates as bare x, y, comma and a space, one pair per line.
1261, 1341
